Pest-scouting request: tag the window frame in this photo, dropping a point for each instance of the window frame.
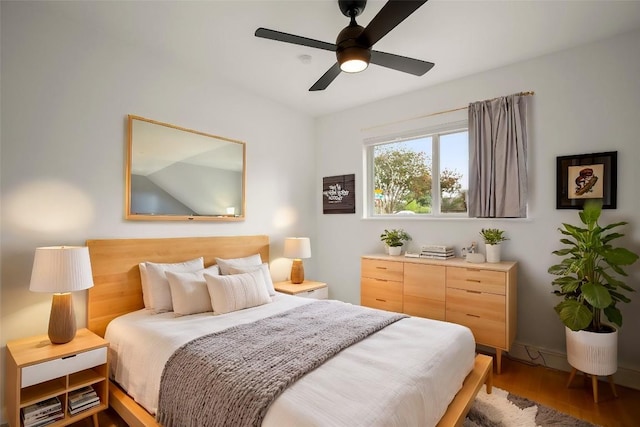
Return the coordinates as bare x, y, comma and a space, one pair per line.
435, 132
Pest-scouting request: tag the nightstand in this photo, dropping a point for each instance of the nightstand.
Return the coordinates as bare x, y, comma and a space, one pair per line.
37, 370
306, 289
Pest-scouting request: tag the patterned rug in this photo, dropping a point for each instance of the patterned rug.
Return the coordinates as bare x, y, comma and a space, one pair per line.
502, 409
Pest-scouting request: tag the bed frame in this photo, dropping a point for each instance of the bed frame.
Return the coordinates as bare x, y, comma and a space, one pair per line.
117, 290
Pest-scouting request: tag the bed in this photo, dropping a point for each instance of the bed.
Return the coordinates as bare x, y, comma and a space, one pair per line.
315, 398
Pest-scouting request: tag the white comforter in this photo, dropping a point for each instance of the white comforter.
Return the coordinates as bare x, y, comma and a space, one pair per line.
404, 375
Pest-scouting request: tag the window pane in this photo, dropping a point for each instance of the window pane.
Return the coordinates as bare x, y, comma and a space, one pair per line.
402, 177
454, 166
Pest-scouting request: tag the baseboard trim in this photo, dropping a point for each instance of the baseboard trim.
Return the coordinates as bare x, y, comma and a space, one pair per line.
627, 377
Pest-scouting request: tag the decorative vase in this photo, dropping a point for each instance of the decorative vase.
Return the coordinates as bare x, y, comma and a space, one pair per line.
594, 353
395, 250
493, 252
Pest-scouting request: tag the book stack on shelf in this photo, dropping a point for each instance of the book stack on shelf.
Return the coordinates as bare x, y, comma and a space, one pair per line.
42, 413
82, 399
437, 252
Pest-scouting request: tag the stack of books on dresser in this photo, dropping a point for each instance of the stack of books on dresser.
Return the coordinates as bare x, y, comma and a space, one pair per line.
437, 252
82, 399
42, 413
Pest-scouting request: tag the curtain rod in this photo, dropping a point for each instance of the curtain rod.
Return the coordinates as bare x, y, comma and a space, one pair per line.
424, 116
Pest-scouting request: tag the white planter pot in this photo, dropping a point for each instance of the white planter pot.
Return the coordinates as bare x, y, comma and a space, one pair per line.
493, 253
593, 353
395, 250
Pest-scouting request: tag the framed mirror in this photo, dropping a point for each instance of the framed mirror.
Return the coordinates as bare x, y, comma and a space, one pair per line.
173, 173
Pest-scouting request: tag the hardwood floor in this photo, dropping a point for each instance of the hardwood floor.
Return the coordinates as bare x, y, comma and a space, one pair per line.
549, 387
543, 385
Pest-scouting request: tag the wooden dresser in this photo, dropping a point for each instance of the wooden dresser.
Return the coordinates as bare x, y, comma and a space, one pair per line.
482, 297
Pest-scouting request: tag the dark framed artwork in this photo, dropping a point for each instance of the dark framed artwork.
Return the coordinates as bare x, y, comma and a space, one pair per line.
586, 176
339, 194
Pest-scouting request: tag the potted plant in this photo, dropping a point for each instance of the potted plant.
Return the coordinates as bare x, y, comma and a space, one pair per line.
394, 239
589, 284
492, 238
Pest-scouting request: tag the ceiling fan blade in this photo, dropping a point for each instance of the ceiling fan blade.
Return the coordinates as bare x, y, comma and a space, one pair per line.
391, 14
326, 78
293, 39
417, 67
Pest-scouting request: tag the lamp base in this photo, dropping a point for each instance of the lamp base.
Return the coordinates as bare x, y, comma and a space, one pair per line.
62, 321
297, 272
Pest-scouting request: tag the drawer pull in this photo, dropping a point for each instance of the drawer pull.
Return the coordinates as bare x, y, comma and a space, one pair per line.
473, 292
381, 300
381, 268
70, 356
473, 315
311, 291
473, 280
381, 280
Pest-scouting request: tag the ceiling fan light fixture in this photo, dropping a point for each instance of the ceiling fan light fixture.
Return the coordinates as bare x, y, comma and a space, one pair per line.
354, 59
353, 66
353, 46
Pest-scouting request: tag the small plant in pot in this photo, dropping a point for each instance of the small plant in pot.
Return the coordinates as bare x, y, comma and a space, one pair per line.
492, 238
589, 284
394, 239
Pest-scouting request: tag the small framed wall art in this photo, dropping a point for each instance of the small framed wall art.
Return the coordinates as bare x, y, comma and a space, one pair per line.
586, 176
339, 194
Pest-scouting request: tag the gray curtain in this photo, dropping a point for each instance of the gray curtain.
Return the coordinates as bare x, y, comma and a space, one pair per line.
498, 158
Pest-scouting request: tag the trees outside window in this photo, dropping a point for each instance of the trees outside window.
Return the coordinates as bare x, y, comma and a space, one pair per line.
403, 173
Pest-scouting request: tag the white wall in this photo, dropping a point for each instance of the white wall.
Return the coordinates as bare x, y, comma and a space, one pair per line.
586, 100
66, 93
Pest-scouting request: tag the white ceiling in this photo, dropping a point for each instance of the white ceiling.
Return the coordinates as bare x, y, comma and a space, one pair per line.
460, 37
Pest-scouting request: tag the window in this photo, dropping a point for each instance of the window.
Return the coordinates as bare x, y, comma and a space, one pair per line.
400, 172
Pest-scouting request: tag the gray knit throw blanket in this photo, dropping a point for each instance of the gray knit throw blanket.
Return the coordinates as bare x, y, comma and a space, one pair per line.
230, 378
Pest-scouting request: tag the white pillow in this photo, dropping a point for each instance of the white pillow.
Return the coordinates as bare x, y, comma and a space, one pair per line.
237, 291
226, 264
155, 285
264, 268
189, 293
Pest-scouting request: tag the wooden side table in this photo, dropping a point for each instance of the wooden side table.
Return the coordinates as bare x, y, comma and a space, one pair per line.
37, 370
306, 289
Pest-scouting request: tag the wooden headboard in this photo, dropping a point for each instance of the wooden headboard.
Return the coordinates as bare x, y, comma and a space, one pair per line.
116, 277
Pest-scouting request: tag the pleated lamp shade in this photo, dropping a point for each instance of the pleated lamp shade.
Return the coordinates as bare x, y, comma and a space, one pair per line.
297, 248
61, 270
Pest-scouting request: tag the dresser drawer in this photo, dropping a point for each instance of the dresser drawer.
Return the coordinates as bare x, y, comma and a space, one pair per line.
480, 304
486, 332
476, 279
379, 269
483, 313
57, 368
423, 307
382, 294
424, 290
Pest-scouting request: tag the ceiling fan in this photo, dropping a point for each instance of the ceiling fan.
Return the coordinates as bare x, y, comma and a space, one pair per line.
354, 43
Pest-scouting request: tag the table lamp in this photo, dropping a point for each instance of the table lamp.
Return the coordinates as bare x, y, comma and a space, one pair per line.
61, 270
297, 248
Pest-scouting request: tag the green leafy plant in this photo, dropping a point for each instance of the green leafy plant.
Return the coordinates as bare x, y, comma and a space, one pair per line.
493, 236
395, 237
587, 279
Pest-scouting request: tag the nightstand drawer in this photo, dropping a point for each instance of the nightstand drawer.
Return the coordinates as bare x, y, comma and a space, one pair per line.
56, 368
321, 293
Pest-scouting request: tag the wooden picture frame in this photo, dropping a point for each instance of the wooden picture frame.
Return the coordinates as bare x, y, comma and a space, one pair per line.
339, 194
586, 176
